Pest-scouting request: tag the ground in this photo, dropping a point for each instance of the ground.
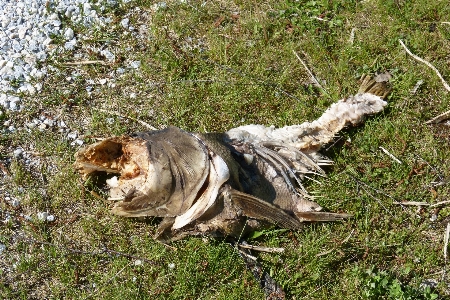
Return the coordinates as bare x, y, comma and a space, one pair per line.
211, 66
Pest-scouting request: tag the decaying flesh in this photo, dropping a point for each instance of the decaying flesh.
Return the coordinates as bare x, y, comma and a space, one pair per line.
225, 183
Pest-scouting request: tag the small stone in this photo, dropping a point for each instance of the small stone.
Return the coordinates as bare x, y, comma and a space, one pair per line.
133, 95
135, 64
125, 23
432, 283
103, 81
138, 262
70, 45
42, 126
108, 55
50, 218
68, 34
42, 216
171, 266
18, 152
22, 32
15, 203
49, 122
72, 135
2, 248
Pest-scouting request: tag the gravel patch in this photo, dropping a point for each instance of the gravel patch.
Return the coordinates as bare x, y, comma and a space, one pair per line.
27, 31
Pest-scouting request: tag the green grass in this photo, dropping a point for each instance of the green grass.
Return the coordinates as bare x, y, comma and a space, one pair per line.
210, 66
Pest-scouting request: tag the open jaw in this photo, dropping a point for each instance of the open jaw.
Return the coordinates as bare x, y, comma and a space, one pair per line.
152, 177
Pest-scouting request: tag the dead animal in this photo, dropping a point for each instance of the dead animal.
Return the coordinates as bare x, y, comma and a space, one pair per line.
225, 183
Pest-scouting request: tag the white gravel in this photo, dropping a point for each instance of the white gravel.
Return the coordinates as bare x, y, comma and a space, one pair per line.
26, 31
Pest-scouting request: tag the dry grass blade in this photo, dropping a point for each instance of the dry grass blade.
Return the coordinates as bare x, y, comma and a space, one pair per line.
412, 203
313, 78
262, 249
148, 126
85, 62
447, 87
390, 155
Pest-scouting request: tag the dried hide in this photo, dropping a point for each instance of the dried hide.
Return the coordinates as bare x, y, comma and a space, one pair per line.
225, 183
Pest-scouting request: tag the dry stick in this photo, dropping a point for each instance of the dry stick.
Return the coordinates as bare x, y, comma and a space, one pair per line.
85, 62
440, 203
390, 155
343, 242
379, 192
262, 249
150, 127
309, 71
412, 203
97, 290
445, 115
447, 233
428, 64
433, 168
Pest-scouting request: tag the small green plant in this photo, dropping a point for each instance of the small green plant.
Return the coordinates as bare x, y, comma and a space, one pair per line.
378, 284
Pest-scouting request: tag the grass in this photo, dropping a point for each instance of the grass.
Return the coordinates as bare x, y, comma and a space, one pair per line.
211, 66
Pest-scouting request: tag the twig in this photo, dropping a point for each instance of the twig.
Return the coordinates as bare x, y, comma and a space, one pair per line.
447, 233
150, 127
97, 290
412, 203
448, 23
440, 203
352, 35
416, 87
428, 64
390, 155
262, 249
440, 118
343, 242
433, 168
85, 62
379, 192
340, 138
309, 71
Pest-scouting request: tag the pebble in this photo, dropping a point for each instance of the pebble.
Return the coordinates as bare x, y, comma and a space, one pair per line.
25, 30
18, 152
135, 64
2, 248
72, 135
45, 216
15, 203
42, 216
125, 23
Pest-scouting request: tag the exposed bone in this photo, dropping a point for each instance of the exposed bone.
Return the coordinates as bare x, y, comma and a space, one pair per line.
226, 184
